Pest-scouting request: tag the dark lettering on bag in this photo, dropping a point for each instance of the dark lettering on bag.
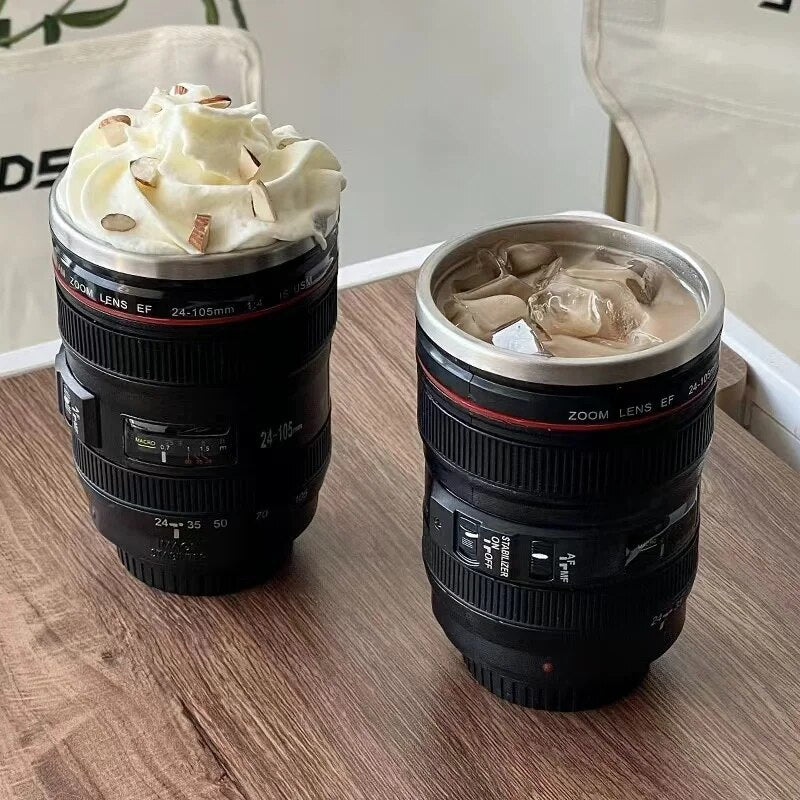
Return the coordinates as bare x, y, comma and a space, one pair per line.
51, 164
13, 180
777, 5
16, 172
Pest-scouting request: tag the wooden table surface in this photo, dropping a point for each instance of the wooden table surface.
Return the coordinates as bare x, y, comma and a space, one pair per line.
334, 681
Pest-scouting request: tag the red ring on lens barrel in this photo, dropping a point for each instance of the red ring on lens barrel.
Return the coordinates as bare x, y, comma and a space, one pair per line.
103, 309
508, 419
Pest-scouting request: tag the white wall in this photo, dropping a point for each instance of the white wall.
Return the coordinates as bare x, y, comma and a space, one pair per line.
446, 114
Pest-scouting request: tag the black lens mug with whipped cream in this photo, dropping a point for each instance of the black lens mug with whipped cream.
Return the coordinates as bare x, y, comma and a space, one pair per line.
196, 382
566, 376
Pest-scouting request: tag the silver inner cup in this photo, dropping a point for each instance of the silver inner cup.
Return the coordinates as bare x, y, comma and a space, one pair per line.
565, 231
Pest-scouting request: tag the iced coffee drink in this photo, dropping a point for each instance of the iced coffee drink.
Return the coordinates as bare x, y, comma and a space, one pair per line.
566, 300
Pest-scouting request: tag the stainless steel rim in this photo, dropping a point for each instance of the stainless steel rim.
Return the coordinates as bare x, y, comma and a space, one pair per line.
572, 371
179, 267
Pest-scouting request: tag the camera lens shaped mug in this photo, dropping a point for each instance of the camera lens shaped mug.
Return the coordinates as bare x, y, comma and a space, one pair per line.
195, 466
561, 510
560, 540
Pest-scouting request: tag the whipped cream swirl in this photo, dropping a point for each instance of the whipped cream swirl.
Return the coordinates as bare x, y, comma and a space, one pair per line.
193, 151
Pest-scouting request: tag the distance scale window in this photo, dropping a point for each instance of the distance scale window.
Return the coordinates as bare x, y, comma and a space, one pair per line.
178, 445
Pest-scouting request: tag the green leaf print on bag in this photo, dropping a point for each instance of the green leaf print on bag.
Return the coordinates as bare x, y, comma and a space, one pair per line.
51, 24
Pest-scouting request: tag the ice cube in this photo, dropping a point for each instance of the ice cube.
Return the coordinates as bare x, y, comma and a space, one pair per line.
638, 340
466, 322
620, 312
617, 302
463, 319
522, 259
507, 284
540, 278
500, 251
650, 277
479, 275
564, 308
489, 260
492, 313
600, 271
641, 340
519, 338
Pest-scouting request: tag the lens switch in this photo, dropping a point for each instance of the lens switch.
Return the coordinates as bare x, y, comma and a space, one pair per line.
541, 560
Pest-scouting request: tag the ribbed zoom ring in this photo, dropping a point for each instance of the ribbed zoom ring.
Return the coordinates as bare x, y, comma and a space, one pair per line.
580, 611
561, 470
199, 495
206, 361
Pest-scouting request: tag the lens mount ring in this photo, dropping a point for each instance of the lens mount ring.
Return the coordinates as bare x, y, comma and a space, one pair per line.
264, 563
553, 698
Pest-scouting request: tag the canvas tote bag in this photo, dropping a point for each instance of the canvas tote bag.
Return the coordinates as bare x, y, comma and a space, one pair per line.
47, 97
706, 96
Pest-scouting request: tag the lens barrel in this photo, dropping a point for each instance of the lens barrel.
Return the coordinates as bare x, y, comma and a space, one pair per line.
197, 391
561, 512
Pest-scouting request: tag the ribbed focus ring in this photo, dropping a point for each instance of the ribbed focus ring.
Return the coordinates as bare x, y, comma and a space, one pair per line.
564, 471
575, 610
198, 495
179, 361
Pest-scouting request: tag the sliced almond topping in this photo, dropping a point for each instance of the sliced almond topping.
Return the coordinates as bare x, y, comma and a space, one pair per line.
145, 170
248, 164
291, 140
199, 235
320, 228
178, 89
113, 128
120, 223
262, 205
217, 101
123, 118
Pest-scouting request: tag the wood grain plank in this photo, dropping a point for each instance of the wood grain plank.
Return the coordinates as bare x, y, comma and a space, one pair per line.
334, 681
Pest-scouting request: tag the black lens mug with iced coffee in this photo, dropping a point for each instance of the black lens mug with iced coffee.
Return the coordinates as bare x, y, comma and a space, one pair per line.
566, 369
